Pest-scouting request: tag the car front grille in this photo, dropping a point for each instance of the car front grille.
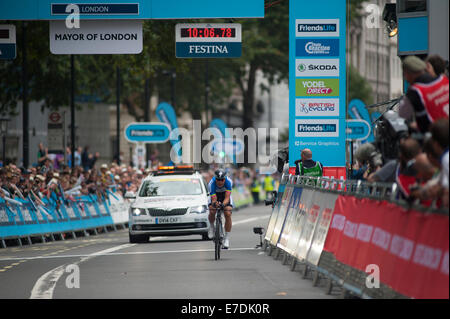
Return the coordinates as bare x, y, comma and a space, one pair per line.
169, 226
155, 212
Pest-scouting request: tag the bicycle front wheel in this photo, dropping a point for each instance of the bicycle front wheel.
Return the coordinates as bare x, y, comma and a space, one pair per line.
217, 240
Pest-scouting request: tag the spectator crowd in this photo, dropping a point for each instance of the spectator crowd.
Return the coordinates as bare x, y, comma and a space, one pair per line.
422, 163
421, 167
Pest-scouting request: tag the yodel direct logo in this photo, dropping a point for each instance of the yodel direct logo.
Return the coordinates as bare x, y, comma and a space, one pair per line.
317, 87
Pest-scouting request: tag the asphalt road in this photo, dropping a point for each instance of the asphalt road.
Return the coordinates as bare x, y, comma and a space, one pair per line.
107, 266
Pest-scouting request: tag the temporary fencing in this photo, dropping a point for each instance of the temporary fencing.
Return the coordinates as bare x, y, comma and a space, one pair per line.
353, 234
21, 218
241, 196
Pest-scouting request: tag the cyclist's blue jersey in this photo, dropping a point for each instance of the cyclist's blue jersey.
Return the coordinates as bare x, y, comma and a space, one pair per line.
220, 191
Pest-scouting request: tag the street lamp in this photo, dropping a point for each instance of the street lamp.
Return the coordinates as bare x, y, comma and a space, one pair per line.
3, 130
390, 16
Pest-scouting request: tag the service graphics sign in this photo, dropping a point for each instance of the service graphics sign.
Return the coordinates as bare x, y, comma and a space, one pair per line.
97, 37
317, 80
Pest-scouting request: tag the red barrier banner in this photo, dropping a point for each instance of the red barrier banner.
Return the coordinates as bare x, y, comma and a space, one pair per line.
409, 247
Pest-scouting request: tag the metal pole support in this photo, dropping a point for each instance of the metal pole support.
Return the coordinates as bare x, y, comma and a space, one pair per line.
293, 263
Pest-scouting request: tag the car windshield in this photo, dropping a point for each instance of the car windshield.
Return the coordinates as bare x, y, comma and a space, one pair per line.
171, 187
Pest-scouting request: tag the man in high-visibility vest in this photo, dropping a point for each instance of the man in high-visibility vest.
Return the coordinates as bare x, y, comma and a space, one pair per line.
269, 185
427, 95
306, 166
255, 189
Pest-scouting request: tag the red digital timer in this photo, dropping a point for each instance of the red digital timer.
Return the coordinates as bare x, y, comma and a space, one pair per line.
208, 32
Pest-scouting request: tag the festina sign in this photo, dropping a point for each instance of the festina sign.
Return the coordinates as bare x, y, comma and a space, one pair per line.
203, 40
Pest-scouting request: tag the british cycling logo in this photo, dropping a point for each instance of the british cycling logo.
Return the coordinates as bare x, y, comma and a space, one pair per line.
306, 107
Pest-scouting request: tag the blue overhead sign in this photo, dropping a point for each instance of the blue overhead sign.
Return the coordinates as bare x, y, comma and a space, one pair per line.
134, 9
317, 80
147, 133
98, 8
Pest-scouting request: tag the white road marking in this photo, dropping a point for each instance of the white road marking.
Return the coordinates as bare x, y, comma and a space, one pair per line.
45, 286
128, 253
250, 220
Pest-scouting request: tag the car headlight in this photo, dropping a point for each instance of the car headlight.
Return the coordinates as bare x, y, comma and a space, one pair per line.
138, 211
198, 209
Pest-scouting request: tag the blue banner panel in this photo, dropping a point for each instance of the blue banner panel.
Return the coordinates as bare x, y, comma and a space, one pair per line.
95, 9
208, 50
7, 51
126, 9
176, 9
317, 33
412, 35
166, 114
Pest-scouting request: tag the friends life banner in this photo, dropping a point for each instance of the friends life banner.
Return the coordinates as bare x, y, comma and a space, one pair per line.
317, 80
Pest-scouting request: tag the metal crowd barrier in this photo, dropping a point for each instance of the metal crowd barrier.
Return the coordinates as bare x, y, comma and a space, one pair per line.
349, 281
23, 220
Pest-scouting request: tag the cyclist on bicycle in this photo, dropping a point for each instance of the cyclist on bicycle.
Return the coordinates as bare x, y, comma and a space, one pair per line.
220, 188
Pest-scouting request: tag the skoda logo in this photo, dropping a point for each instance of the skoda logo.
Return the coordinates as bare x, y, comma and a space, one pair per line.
302, 67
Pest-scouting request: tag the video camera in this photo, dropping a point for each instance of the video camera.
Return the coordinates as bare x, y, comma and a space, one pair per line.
388, 132
280, 159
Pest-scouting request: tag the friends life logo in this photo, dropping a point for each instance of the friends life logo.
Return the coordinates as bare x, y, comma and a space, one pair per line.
317, 128
312, 27
317, 28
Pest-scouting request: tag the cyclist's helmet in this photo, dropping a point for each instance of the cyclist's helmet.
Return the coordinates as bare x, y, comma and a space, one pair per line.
220, 174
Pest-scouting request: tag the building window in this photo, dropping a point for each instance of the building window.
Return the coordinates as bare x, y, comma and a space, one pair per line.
408, 6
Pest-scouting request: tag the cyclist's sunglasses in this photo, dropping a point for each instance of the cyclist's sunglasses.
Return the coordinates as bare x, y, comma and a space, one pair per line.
220, 179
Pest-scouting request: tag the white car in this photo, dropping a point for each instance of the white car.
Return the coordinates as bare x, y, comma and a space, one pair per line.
170, 202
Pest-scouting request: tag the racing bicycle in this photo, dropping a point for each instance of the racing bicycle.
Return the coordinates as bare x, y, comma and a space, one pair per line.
218, 232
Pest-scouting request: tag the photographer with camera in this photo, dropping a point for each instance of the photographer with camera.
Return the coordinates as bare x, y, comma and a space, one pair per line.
369, 159
401, 170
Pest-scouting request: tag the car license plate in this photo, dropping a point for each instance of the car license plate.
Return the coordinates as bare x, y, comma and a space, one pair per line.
167, 220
